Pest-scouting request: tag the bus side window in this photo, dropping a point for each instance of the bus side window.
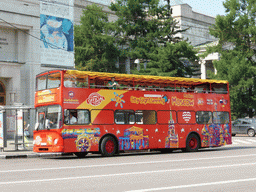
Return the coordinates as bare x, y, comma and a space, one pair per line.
219, 88
81, 117
124, 117
204, 117
146, 117
221, 117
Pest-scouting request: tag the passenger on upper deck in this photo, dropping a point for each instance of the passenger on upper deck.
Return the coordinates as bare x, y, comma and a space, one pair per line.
113, 84
129, 88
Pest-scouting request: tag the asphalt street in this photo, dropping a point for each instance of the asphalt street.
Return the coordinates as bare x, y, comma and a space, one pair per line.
229, 168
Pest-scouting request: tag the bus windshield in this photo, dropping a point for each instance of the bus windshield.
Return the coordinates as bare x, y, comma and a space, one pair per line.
49, 117
49, 81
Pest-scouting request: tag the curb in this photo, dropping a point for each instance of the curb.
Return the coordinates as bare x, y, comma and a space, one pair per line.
36, 155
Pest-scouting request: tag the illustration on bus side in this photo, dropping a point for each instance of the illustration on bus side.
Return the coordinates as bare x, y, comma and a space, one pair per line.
85, 138
118, 99
133, 138
172, 140
215, 135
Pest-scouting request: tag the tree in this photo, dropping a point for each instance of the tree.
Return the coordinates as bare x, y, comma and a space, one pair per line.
95, 47
237, 35
175, 60
145, 30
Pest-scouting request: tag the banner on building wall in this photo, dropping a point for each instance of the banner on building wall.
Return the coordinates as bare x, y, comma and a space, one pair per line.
1, 130
57, 32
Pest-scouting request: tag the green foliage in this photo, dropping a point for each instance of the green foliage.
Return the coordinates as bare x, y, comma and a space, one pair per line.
237, 46
95, 48
145, 30
173, 60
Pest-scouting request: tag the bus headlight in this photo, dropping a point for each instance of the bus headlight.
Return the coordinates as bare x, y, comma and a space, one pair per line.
55, 141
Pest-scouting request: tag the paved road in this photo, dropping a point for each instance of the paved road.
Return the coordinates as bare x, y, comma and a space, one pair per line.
229, 168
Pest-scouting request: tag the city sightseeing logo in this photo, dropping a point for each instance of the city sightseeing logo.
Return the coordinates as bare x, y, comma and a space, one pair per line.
95, 99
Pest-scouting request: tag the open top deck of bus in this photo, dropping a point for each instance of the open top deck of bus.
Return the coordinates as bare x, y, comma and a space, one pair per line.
144, 78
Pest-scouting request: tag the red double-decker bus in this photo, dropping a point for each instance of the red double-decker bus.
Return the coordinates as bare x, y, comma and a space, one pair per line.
83, 112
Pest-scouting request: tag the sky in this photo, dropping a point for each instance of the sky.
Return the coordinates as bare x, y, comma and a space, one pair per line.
207, 7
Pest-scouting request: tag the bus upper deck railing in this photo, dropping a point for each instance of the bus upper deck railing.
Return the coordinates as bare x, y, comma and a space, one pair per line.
161, 89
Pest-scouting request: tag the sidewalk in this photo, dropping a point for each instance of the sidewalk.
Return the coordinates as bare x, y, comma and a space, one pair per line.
9, 152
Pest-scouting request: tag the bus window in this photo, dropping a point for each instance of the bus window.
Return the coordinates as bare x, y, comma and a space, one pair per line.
146, 117
166, 117
53, 80
202, 89
186, 117
220, 117
124, 117
41, 82
80, 117
102, 117
77, 82
49, 117
219, 88
203, 117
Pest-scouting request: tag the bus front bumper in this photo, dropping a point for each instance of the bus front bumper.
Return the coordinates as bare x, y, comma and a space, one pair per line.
48, 149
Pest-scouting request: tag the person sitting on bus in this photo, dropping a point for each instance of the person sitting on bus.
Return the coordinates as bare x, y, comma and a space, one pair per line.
72, 119
113, 84
129, 88
140, 88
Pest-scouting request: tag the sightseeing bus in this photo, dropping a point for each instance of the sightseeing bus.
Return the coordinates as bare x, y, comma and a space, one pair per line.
81, 112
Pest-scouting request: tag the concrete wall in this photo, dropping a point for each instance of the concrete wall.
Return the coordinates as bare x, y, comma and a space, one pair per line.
197, 24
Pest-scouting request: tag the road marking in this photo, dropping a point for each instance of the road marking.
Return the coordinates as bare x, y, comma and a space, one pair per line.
233, 143
242, 141
251, 140
126, 174
131, 163
194, 185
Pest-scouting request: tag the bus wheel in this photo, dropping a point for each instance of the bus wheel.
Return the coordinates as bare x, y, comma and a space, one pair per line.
81, 154
108, 146
192, 143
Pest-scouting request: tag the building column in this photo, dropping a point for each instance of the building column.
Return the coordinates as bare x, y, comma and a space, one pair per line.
203, 69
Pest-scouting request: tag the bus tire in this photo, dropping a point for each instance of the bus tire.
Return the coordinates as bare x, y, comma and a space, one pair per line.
81, 154
192, 143
108, 146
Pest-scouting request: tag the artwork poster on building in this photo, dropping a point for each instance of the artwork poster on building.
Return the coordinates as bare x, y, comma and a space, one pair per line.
57, 32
